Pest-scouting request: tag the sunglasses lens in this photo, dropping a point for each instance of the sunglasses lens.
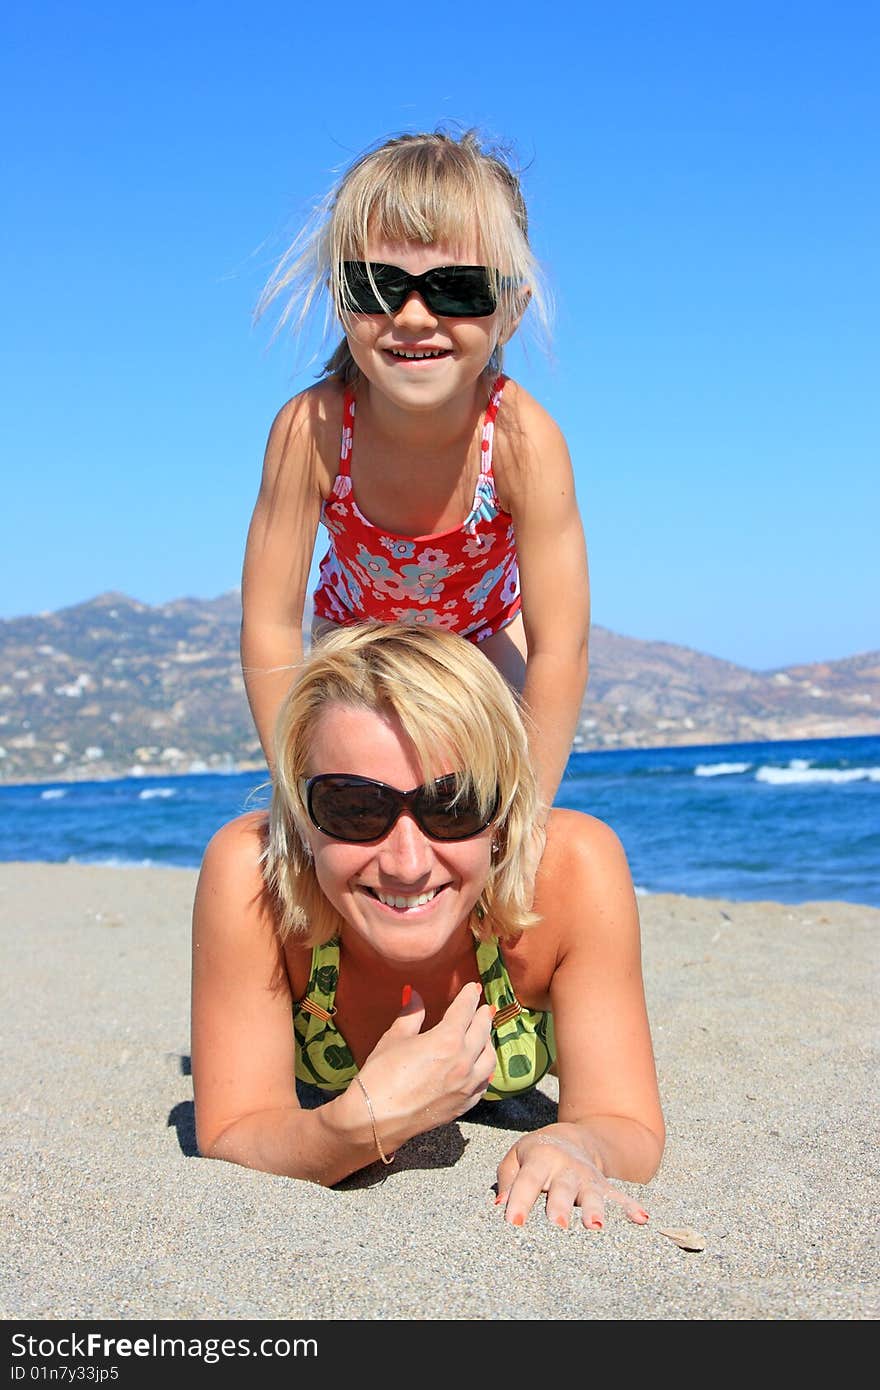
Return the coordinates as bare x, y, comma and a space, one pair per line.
444, 813
348, 809
362, 298
460, 291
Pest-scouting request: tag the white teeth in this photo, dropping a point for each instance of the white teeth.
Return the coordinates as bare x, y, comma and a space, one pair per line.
438, 352
400, 901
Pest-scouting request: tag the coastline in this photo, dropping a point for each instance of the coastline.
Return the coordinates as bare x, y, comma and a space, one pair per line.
765, 1031
95, 774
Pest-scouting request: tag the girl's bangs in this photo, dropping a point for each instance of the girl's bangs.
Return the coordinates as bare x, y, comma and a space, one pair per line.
414, 204
391, 220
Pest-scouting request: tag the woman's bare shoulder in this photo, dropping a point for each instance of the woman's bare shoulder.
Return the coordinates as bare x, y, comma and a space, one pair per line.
232, 865
583, 886
591, 841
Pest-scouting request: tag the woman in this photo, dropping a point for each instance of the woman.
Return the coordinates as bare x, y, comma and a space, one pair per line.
384, 902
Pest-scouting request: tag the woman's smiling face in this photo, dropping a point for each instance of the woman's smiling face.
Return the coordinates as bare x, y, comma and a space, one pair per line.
406, 897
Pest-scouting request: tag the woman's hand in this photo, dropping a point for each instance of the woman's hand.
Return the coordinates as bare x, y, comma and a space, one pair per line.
417, 1081
556, 1160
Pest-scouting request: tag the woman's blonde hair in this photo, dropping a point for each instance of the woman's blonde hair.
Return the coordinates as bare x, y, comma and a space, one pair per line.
414, 188
456, 709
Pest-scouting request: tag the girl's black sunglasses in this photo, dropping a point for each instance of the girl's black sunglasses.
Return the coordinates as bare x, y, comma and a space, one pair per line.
359, 810
456, 291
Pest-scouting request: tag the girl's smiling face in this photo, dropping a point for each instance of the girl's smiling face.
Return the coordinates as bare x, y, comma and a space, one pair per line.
406, 898
420, 360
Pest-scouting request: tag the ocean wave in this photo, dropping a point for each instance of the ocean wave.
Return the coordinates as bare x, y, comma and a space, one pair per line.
53, 794
720, 769
799, 772
150, 793
112, 861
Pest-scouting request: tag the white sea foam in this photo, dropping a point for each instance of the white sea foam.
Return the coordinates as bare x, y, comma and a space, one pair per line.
112, 862
799, 772
53, 794
720, 769
150, 793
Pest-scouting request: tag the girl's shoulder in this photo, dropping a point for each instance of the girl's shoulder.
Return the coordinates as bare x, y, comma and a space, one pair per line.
521, 410
307, 429
527, 439
318, 403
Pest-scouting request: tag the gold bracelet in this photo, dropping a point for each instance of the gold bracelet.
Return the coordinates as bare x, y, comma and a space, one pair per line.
385, 1160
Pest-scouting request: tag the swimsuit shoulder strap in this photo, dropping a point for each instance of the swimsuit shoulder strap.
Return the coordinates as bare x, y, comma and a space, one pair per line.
488, 440
497, 988
347, 437
320, 996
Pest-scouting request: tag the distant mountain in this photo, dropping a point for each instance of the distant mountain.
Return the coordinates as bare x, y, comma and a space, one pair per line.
113, 686
644, 694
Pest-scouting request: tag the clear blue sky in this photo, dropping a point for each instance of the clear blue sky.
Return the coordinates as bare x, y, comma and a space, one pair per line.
703, 185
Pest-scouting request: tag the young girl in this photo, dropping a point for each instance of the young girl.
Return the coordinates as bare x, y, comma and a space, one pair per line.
447, 491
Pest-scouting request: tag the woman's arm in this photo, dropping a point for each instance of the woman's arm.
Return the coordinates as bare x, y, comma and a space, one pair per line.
277, 560
246, 1104
537, 487
610, 1119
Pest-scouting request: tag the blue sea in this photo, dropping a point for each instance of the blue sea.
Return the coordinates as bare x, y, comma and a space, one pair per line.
787, 821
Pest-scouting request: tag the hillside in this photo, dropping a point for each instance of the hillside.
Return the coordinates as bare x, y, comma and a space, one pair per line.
114, 685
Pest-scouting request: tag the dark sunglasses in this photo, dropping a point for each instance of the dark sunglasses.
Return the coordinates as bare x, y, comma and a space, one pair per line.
359, 810
456, 291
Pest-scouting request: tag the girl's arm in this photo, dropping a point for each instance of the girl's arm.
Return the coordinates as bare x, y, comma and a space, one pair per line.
278, 556
243, 1043
538, 489
610, 1121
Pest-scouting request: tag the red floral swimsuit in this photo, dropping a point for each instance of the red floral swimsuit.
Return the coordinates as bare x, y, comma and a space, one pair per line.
466, 579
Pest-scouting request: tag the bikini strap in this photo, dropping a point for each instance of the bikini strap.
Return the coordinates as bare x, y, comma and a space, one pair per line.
320, 996
497, 988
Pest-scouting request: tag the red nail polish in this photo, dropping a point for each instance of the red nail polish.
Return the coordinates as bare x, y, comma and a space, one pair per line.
518, 1220
406, 996
499, 1198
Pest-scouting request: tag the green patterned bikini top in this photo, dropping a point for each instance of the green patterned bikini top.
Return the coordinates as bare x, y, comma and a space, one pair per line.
523, 1038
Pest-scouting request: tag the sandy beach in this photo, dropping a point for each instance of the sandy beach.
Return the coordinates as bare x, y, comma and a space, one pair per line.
764, 1020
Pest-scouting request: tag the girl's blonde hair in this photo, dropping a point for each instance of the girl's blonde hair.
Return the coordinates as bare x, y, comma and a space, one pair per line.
456, 709
414, 188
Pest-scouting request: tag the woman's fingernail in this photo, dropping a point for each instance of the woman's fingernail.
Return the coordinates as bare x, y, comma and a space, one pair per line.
406, 996
500, 1198
493, 1009
518, 1220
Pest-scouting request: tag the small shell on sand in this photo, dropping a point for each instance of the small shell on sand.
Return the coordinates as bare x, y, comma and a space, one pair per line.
685, 1237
